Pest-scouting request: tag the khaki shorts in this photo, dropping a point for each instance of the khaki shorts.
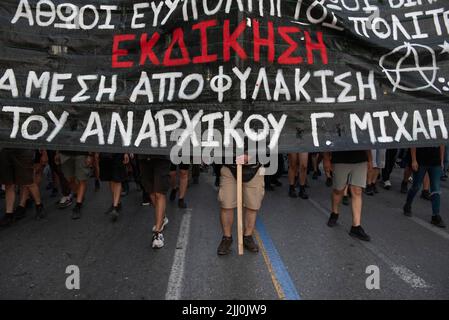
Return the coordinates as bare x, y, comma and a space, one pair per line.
253, 191
353, 174
75, 167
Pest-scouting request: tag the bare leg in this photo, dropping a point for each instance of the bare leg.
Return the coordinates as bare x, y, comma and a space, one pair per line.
183, 183
250, 221
356, 205
160, 203
10, 197
303, 162
116, 190
227, 220
82, 186
292, 168
337, 196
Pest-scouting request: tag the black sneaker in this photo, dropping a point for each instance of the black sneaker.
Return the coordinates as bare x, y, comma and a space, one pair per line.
303, 193
173, 194
438, 221
346, 200
40, 214
425, 194
182, 204
250, 244
407, 210
20, 213
369, 190
359, 233
329, 182
145, 199
7, 220
76, 212
404, 187
292, 192
332, 222
114, 214
225, 246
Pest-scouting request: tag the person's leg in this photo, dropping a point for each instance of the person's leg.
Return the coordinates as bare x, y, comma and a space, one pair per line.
337, 196
418, 178
116, 189
425, 194
227, 220
250, 222
81, 191
356, 203
160, 203
183, 183
292, 168
434, 174
10, 197
303, 161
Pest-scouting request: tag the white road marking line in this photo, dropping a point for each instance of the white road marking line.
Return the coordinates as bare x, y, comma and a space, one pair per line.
402, 272
174, 287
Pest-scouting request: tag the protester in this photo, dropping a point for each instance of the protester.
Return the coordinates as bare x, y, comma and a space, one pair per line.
350, 168
17, 168
76, 167
297, 169
429, 161
155, 178
113, 170
253, 193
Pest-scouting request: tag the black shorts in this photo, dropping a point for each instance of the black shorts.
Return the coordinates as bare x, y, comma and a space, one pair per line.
16, 167
155, 175
112, 168
181, 166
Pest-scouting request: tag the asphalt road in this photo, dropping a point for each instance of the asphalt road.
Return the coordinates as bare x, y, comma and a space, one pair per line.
301, 258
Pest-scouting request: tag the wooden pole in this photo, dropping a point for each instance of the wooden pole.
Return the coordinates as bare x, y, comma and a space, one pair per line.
239, 209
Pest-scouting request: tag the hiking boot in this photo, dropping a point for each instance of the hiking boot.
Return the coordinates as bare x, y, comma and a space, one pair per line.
19, 213
292, 192
225, 246
407, 210
182, 204
163, 225
76, 212
404, 187
173, 194
426, 195
329, 182
438, 221
7, 220
332, 222
40, 214
158, 240
359, 233
249, 244
303, 193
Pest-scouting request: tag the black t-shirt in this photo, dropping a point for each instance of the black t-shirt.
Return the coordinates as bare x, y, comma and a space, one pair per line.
349, 156
429, 156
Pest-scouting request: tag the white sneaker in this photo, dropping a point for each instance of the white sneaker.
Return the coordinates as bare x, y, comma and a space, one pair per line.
163, 225
158, 240
387, 184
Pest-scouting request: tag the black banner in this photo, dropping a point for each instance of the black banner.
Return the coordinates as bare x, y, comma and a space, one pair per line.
143, 76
